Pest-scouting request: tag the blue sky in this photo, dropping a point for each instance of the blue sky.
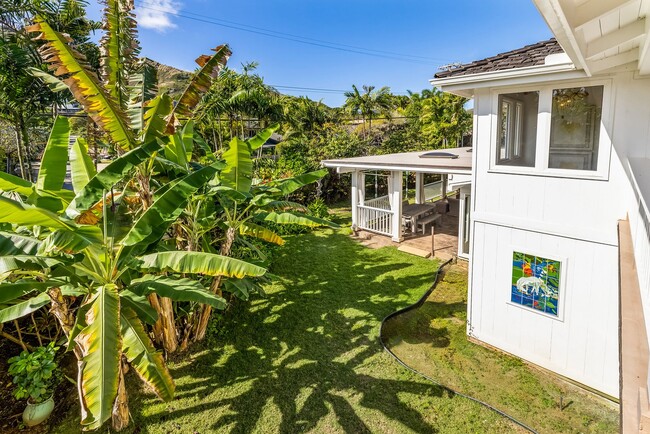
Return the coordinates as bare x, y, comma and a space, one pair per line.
424, 34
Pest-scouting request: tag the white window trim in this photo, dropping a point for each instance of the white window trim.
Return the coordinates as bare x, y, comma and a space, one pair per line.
544, 132
514, 131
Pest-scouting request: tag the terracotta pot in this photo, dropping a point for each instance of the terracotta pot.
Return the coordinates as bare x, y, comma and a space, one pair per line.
37, 413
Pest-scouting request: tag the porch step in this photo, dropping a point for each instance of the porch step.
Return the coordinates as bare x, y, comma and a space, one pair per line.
414, 251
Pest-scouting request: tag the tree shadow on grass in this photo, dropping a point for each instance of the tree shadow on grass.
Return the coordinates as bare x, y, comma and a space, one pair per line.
309, 353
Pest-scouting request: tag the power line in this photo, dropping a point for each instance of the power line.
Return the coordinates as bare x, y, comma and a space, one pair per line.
294, 38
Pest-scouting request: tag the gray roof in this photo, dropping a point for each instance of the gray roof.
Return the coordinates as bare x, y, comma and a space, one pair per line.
530, 55
410, 161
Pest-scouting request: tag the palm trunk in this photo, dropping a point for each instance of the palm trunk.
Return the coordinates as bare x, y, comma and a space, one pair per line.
201, 324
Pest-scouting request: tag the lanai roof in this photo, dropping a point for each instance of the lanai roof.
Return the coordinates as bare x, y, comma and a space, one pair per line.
458, 161
530, 55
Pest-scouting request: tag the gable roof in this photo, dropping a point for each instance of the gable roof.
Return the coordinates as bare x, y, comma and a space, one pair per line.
530, 55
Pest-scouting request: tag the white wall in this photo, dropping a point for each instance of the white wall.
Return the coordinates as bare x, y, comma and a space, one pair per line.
574, 219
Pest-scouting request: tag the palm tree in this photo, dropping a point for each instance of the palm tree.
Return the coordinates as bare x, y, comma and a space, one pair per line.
369, 103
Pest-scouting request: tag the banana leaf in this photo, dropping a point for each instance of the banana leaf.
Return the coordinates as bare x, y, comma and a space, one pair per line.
180, 289
262, 137
11, 183
238, 172
155, 221
25, 262
72, 241
16, 244
14, 290
118, 47
256, 231
289, 185
64, 60
209, 264
26, 215
109, 176
155, 113
82, 169
140, 306
284, 218
23, 308
51, 174
199, 84
100, 343
141, 354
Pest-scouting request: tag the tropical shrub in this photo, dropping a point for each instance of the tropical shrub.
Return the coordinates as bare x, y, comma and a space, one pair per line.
34, 373
318, 208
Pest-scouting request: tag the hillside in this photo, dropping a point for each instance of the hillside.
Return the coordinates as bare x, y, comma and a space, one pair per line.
171, 80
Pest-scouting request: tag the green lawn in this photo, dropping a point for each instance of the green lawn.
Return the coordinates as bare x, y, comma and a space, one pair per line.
308, 358
432, 339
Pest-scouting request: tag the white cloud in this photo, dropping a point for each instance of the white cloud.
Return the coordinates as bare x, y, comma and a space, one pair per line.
157, 14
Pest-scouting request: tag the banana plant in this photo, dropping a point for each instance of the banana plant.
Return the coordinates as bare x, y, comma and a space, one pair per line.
104, 272
244, 209
93, 255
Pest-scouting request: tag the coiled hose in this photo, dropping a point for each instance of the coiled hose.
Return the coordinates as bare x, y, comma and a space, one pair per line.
417, 305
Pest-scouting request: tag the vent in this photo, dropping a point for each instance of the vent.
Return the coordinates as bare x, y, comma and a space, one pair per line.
438, 154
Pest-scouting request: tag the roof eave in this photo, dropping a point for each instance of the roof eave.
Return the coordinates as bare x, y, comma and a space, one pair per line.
464, 85
555, 18
458, 170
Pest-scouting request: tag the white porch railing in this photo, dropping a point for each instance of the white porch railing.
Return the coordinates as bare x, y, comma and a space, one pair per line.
375, 219
381, 202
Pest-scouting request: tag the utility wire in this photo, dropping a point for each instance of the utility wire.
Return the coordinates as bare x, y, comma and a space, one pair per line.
294, 38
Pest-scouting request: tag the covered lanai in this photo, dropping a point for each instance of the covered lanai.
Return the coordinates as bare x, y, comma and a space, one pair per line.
386, 203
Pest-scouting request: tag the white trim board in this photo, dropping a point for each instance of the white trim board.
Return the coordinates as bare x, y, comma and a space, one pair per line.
577, 233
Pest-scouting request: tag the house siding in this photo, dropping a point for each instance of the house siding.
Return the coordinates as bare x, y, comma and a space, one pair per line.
572, 219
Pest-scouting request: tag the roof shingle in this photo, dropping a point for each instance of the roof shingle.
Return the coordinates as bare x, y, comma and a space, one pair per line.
530, 55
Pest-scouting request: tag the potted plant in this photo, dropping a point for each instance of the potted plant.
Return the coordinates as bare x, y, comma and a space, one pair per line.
33, 377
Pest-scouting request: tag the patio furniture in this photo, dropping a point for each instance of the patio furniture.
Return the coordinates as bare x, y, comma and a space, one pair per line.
415, 211
431, 218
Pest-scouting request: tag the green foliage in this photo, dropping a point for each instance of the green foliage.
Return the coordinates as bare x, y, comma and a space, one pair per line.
34, 373
319, 209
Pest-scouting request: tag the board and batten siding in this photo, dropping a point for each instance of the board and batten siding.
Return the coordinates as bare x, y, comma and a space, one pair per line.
568, 218
583, 343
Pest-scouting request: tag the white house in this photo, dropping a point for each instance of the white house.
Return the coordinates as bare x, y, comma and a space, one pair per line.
559, 243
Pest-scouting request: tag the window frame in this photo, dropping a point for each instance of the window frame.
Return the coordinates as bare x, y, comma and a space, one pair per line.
542, 149
514, 128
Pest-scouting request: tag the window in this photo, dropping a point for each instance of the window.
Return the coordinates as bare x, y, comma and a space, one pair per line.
552, 131
517, 128
575, 128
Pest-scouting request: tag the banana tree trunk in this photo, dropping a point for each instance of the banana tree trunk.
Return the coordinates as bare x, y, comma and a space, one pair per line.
164, 330
19, 151
120, 415
60, 308
24, 135
201, 324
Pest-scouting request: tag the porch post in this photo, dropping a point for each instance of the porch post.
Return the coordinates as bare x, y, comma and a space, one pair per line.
419, 187
354, 194
445, 182
395, 196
